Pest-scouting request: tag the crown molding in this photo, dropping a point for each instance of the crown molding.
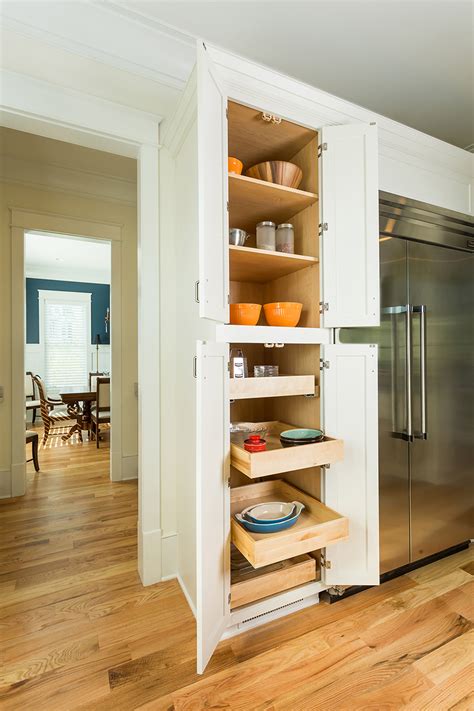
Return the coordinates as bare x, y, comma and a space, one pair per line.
110, 34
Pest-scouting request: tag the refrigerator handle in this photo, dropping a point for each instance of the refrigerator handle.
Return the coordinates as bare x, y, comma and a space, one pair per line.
421, 310
393, 311
408, 355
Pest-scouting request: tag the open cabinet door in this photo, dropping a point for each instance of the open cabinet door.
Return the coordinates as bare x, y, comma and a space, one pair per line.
350, 231
213, 499
351, 486
212, 189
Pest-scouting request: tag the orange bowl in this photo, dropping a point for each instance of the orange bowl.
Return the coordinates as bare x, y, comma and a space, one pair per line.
235, 165
283, 313
245, 314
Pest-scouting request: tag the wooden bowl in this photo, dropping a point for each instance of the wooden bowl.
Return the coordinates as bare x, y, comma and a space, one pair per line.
277, 171
283, 313
245, 314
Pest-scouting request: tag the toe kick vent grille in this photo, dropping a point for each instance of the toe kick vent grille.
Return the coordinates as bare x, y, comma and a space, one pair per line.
271, 612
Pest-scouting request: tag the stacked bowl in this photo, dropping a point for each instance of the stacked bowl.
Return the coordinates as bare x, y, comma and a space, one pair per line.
270, 517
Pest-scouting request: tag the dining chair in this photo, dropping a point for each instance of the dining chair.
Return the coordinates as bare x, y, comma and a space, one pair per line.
32, 437
100, 413
31, 400
93, 380
49, 415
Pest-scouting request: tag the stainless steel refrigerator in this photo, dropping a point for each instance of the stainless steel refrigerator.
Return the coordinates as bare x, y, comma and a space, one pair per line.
426, 380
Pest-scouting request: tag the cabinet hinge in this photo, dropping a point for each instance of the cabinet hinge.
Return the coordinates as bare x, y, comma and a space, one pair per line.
323, 364
195, 367
227, 206
323, 227
196, 292
227, 113
228, 482
322, 147
325, 563
323, 306
228, 598
228, 366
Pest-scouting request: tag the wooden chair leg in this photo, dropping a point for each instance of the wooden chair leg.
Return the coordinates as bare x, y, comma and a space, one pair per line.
33, 417
97, 434
46, 428
34, 451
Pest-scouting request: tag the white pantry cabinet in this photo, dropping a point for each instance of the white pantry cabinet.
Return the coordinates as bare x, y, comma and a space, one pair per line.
238, 575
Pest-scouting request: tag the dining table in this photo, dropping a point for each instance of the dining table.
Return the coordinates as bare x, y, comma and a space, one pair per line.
78, 401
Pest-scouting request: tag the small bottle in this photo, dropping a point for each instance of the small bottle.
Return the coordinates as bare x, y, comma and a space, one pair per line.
285, 238
238, 364
266, 235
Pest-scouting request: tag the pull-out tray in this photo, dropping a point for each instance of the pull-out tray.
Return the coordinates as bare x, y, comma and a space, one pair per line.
279, 386
249, 585
277, 459
317, 527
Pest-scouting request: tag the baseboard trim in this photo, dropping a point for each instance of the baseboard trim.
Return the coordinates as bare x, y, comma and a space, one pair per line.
130, 467
186, 595
149, 556
169, 555
5, 484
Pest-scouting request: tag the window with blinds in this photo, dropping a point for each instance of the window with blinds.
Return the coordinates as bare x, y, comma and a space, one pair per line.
65, 334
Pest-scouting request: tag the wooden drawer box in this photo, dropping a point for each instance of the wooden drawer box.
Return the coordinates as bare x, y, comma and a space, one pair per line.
277, 459
317, 527
279, 386
249, 585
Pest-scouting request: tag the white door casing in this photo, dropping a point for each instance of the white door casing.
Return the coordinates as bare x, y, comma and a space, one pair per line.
350, 231
212, 186
212, 498
350, 411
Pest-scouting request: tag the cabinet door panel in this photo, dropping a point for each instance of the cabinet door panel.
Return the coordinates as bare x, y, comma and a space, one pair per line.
351, 486
212, 176
213, 500
350, 247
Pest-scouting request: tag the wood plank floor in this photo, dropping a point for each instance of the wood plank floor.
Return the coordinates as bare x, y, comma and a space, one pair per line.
78, 631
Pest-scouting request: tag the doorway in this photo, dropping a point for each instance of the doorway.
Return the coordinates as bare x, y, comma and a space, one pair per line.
68, 339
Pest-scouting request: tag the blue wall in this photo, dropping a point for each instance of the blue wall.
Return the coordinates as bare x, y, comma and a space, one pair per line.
100, 301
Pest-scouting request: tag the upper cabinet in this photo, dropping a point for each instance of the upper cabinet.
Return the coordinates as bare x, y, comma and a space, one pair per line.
212, 291
336, 197
350, 228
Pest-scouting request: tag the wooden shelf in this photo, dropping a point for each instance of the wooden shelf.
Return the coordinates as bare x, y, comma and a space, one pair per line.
249, 585
317, 527
251, 201
277, 459
259, 265
279, 386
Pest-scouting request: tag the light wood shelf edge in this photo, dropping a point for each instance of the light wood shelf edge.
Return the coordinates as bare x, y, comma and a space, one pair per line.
278, 386
275, 186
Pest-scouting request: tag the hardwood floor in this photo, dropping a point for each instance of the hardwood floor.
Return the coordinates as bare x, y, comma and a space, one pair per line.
78, 631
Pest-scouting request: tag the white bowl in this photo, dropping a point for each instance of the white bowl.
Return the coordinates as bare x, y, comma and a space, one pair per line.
270, 511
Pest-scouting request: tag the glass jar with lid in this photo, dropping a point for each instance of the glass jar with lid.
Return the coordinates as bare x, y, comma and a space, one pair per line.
266, 235
285, 238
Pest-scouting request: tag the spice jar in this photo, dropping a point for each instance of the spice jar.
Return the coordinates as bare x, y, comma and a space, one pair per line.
266, 235
285, 238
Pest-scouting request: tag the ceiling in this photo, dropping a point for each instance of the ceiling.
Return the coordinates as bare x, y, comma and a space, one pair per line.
409, 60
52, 256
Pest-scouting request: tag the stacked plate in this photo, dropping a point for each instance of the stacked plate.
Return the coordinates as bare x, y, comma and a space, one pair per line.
270, 517
293, 438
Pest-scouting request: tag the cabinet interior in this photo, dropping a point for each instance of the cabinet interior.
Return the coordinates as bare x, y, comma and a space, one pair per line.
258, 276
